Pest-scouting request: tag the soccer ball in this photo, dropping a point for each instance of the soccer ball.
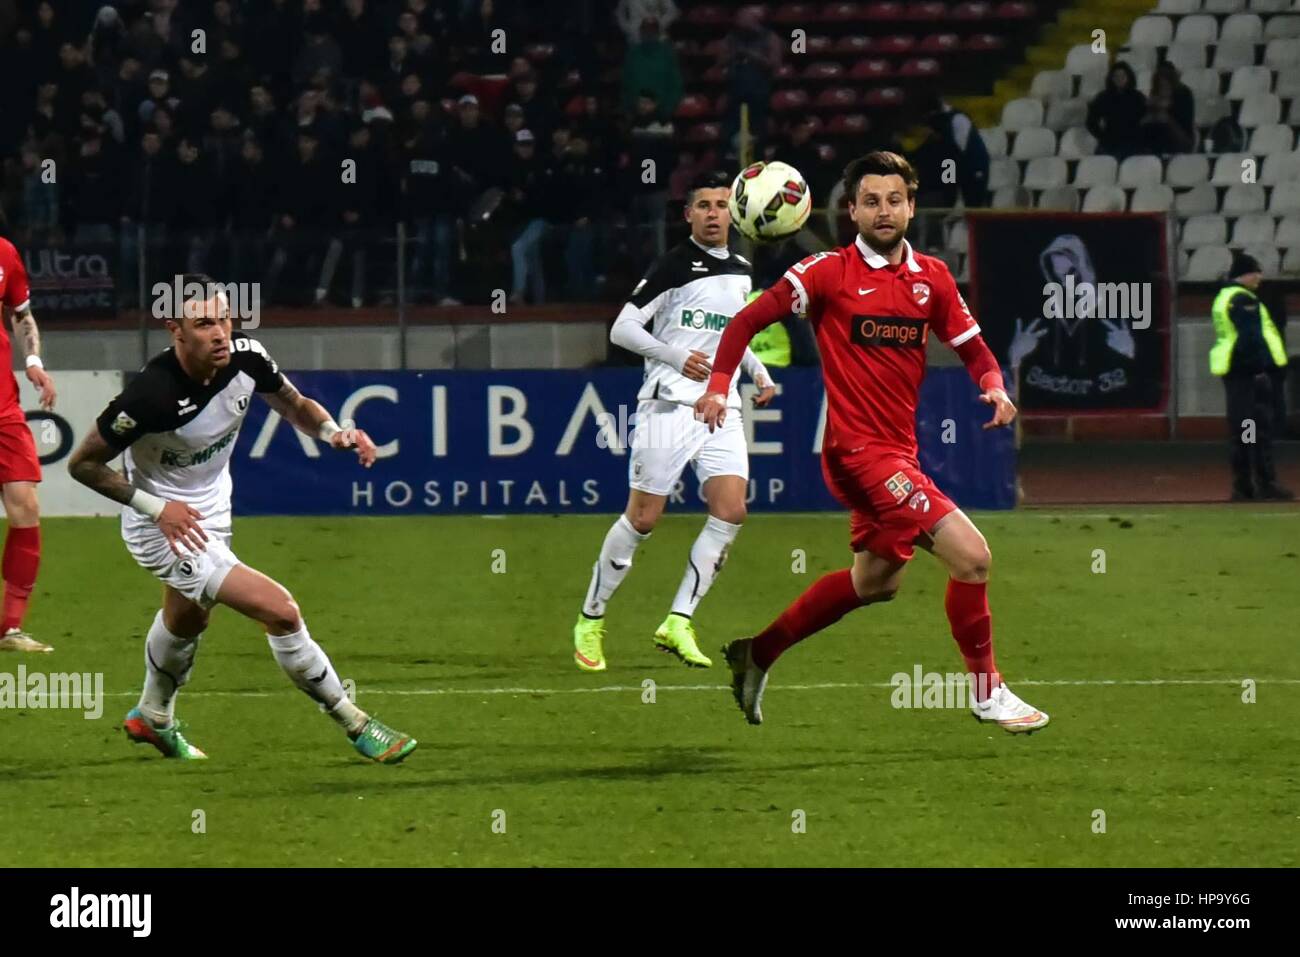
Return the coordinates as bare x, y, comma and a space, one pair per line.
769, 201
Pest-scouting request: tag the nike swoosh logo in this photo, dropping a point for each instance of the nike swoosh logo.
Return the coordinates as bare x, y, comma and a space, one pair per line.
320, 677
863, 292
617, 566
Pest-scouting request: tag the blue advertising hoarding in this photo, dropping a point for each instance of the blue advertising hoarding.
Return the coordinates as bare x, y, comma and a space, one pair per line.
549, 441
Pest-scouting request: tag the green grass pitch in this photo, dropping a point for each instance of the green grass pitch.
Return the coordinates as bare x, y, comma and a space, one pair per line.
475, 659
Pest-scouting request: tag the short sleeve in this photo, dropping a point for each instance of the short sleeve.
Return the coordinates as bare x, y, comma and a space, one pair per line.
135, 412
258, 364
17, 291
646, 294
812, 279
951, 318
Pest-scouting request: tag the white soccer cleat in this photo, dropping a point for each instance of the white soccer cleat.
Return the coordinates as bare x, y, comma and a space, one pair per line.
748, 681
1010, 713
16, 640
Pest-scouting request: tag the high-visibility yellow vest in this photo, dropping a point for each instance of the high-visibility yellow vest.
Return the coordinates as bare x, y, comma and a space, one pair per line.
770, 345
1226, 333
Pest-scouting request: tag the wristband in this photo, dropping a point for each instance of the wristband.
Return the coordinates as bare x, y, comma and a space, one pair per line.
147, 504
35, 361
328, 429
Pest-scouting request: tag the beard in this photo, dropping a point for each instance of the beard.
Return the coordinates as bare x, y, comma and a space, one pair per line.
882, 246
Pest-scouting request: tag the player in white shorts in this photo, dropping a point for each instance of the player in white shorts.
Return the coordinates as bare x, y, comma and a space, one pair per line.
176, 424
688, 296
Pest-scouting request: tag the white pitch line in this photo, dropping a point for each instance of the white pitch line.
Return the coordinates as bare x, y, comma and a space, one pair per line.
827, 686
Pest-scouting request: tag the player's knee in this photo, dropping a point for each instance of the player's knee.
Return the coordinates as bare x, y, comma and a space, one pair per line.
643, 520
975, 564
731, 514
284, 615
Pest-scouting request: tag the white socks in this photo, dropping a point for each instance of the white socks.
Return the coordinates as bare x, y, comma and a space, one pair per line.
612, 566
168, 659
708, 555
307, 665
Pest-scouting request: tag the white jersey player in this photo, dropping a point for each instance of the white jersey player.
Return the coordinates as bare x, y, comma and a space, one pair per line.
176, 424
687, 298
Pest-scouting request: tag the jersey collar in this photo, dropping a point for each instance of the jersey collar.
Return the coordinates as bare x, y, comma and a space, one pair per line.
717, 252
877, 261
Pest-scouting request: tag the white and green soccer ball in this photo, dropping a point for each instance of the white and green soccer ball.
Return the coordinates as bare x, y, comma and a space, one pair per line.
769, 201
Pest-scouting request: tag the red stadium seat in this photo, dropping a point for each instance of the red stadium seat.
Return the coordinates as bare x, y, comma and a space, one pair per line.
872, 69
843, 124
1015, 10
853, 46
694, 107
972, 11
820, 46
939, 43
576, 106
920, 66
927, 10
836, 98
885, 10
794, 14
824, 70
788, 101
981, 42
896, 44
786, 73
703, 134
708, 15
760, 9
843, 12
884, 96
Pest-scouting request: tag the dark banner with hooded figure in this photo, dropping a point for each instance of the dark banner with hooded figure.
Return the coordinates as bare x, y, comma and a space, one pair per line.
1079, 303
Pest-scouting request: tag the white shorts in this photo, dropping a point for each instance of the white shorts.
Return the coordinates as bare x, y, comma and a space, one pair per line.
667, 436
197, 576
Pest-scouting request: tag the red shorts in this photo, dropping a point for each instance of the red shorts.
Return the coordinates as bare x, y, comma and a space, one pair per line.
892, 502
18, 459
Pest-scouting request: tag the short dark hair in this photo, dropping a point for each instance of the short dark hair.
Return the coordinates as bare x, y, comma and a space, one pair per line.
879, 163
713, 179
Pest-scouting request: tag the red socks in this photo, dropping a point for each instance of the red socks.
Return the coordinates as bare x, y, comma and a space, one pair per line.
826, 601
967, 605
22, 557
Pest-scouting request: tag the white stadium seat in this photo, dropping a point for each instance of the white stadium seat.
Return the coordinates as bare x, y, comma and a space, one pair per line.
1282, 27
995, 140
1198, 28
1244, 198
958, 237
1242, 26
1012, 197
1208, 264
1021, 113
1260, 109
1233, 53
1045, 172
1201, 198
1293, 116
1291, 262
1139, 171
1267, 257
1202, 81
1083, 59
1288, 232
1211, 109
1285, 200
1280, 168
1224, 6
1271, 6
1273, 138
1061, 198
1187, 169
1229, 167
1003, 172
1152, 199
1253, 229
1208, 229
1188, 56
1287, 85
1184, 258
1104, 199
1076, 142
1178, 6
1096, 171
1144, 78
1051, 85
1249, 79
1140, 57
1282, 53
1153, 31
1091, 83
1062, 114
1033, 142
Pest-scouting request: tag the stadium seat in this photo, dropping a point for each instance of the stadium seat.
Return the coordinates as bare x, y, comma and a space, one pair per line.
1201, 198
1271, 6
824, 70
1144, 78
1267, 257
1282, 27
1208, 264
848, 124
983, 43
793, 14
1225, 6
1139, 57
1033, 142
1012, 197
1197, 28
1280, 168
1243, 198
1092, 83
1233, 53
920, 67
1242, 26
1076, 142
1104, 199
1051, 84
1062, 198
1253, 229
939, 43
838, 98
820, 45
1184, 259
898, 44
790, 101
1293, 116
927, 10
1045, 172
1260, 109
1249, 79
1063, 114
1202, 81
1228, 169
694, 107
1139, 171
1178, 6
1208, 229
972, 11
1188, 56
1154, 31
1288, 232
884, 96
702, 134
1285, 200
872, 68
854, 45
1003, 172
1014, 10
1152, 199
1291, 262
1083, 59
708, 15
1186, 170
1021, 113
1211, 109
958, 237
849, 12
995, 140
1096, 171
1288, 80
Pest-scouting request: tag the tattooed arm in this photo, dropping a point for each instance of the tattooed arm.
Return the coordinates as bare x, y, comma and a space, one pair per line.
310, 417
29, 337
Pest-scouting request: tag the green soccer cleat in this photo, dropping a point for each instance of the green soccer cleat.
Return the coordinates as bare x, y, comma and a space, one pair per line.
168, 740
677, 637
378, 742
589, 643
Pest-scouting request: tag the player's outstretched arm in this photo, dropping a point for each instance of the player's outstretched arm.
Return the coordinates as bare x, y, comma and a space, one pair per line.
178, 521
757, 315
758, 374
29, 337
982, 366
310, 417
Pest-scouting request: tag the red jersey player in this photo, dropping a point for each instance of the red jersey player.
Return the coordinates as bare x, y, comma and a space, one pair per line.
872, 304
20, 469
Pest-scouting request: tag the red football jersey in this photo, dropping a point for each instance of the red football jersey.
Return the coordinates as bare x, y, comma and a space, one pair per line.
872, 322
14, 294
